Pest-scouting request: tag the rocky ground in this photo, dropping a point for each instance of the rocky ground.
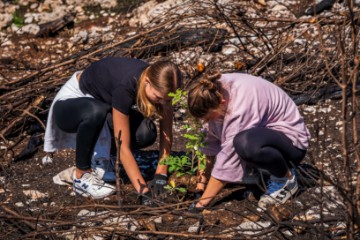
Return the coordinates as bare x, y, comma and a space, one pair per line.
33, 206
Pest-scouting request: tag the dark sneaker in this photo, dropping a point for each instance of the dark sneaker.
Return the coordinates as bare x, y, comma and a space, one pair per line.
90, 185
279, 190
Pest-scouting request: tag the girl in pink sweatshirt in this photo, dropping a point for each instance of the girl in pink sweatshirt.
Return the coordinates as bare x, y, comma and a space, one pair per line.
249, 121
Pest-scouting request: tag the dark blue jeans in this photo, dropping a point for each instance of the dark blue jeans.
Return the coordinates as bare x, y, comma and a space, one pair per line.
86, 117
268, 149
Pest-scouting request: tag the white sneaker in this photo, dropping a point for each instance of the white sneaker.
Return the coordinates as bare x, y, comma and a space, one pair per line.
279, 190
104, 168
91, 185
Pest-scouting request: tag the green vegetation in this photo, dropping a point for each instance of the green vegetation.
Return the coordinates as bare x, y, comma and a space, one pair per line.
194, 158
18, 18
178, 191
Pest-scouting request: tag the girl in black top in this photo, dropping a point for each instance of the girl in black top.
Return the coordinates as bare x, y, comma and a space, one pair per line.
114, 85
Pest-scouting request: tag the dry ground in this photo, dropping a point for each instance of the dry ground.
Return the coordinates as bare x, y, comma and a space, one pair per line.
323, 120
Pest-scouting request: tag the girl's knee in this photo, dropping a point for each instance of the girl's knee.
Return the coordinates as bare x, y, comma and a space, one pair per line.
240, 142
245, 147
144, 135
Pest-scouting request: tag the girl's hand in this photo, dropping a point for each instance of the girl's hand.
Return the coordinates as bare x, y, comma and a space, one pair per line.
157, 184
200, 187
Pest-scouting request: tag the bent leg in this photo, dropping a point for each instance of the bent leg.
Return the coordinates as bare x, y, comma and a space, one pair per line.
86, 117
143, 130
268, 149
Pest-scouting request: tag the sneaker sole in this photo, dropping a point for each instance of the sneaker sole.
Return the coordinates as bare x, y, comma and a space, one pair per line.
79, 191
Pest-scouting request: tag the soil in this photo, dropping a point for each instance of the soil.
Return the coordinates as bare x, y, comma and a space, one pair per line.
60, 204
239, 205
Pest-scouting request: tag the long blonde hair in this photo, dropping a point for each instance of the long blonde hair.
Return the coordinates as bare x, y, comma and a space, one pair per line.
204, 94
165, 77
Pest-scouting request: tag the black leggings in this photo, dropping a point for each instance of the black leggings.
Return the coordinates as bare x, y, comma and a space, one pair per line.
86, 117
268, 149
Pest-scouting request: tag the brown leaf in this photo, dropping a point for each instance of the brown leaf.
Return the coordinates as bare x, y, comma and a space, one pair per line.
280, 212
149, 225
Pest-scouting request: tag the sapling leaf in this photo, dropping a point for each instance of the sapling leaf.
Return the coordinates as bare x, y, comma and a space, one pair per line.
191, 137
182, 190
172, 183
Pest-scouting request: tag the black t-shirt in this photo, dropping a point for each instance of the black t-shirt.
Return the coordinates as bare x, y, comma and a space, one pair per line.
113, 80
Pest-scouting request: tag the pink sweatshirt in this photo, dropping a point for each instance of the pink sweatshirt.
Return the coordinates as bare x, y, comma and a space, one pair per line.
253, 102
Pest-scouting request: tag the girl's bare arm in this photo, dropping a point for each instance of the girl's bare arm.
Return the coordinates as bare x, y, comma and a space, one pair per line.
121, 123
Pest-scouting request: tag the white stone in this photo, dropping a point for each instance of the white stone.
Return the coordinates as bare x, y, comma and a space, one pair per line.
31, 28
19, 204
81, 36
311, 109
225, 2
34, 194
34, 6
271, 4
278, 7
23, 2
194, 228
156, 219
288, 233
300, 41
86, 213
229, 49
143, 236
5, 19
147, 11
124, 222
251, 228
339, 123
28, 19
